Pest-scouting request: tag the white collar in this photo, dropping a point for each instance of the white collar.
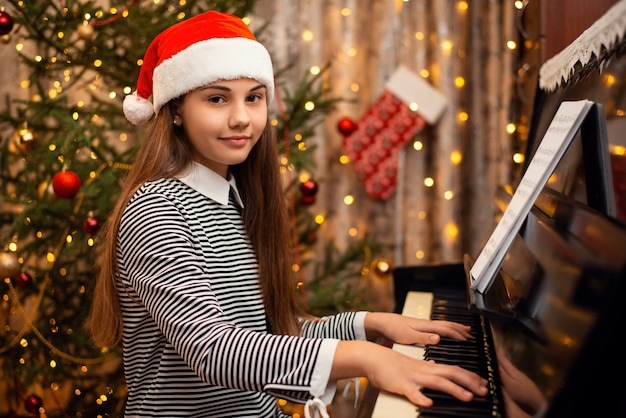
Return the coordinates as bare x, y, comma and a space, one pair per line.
209, 183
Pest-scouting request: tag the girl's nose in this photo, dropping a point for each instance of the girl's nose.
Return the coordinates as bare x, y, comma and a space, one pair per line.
239, 115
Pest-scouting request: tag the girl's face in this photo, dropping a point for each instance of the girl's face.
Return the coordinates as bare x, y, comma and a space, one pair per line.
223, 121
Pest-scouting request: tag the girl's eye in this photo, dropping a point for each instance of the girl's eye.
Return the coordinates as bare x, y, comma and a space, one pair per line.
255, 97
216, 99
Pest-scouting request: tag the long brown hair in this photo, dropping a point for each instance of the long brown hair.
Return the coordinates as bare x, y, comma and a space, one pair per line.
165, 152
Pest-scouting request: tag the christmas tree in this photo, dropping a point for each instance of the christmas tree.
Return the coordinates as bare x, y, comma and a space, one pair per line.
68, 146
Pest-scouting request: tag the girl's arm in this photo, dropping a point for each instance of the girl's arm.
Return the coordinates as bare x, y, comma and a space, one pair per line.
397, 373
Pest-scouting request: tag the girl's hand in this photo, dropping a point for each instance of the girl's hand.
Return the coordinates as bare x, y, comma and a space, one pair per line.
397, 373
407, 330
518, 388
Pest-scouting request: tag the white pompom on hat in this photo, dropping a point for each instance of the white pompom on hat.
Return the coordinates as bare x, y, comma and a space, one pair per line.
206, 48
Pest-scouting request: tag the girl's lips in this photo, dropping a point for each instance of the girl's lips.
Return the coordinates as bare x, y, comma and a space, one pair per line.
235, 140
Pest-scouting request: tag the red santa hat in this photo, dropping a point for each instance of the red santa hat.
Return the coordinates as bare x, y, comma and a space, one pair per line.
206, 48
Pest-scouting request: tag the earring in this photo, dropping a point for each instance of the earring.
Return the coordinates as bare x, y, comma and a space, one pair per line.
176, 121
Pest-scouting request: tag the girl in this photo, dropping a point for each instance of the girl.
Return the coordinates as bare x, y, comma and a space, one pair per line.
195, 279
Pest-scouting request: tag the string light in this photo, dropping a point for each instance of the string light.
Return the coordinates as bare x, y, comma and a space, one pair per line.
518, 158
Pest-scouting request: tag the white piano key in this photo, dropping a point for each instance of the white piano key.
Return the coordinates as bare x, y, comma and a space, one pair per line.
390, 405
418, 304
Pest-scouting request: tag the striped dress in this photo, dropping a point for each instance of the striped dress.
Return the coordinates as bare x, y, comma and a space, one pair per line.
195, 336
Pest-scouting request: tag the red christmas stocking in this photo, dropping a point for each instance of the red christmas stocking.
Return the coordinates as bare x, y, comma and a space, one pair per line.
387, 126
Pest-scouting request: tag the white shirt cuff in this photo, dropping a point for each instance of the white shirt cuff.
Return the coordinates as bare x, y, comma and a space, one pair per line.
320, 386
359, 325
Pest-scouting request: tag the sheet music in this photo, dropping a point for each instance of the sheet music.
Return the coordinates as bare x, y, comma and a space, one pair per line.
555, 142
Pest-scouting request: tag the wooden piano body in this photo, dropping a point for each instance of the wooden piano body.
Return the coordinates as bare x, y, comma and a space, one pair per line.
556, 311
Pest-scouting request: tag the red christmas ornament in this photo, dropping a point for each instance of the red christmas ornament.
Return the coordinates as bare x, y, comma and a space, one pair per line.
307, 200
91, 225
24, 280
33, 403
66, 184
308, 188
346, 126
6, 22
311, 237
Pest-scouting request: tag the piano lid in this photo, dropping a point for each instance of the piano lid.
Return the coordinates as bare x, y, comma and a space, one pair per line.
556, 308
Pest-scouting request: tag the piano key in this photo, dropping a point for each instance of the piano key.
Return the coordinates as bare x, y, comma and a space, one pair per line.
473, 354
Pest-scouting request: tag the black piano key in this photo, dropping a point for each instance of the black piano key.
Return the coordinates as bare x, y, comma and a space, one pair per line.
444, 352
445, 404
443, 399
475, 354
445, 413
452, 407
469, 343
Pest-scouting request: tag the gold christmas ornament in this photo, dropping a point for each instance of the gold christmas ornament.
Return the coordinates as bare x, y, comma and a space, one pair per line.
45, 190
9, 265
24, 139
86, 31
5, 39
382, 267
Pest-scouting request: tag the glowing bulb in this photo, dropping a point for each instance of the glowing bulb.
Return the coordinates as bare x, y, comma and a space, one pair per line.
452, 230
510, 128
456, 157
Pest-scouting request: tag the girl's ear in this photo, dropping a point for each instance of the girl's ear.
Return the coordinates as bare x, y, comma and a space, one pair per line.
176, 118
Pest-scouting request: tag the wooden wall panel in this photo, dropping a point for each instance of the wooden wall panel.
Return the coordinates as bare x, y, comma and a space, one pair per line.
564, 20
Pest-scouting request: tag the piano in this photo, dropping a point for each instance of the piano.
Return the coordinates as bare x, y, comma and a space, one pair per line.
554, 314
